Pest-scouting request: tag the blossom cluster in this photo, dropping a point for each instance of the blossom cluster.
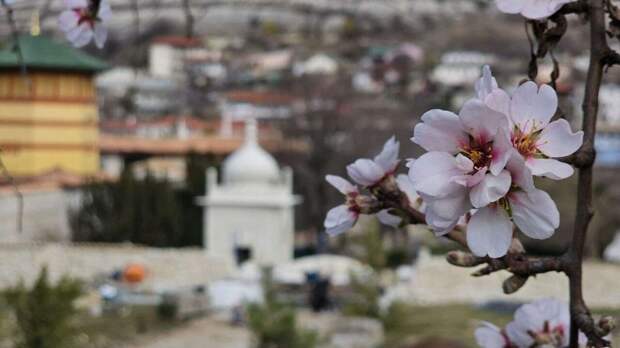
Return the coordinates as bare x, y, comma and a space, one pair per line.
368, 173
542, 323
480, 163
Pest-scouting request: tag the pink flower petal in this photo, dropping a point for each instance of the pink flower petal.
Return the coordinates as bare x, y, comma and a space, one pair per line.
490, 189
481, 121
339, 219
388, 219
510, 6
489, 232
433, 172
553, 169
520, 174
365, 172
489, 336
534, 213
557, 139
341, 184
532, 107
388, 158
440, 131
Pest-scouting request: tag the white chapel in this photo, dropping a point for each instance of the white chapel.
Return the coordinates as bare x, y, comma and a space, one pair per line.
249, 214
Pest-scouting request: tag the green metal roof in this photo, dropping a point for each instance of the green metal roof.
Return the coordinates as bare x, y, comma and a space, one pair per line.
43, 53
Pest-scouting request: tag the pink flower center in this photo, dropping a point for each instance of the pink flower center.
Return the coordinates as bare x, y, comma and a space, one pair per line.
479, 153
85, 16
549, 336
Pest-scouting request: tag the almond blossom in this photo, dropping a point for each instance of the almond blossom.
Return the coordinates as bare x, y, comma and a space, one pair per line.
544, 323
532, 9
467, 154
537, 140
369, 172
490, 228
343, 217
81, 22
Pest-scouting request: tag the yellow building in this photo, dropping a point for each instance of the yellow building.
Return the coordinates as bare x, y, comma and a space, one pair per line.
48, 116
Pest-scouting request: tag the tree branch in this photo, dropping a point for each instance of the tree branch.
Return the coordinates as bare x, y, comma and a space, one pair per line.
599, 49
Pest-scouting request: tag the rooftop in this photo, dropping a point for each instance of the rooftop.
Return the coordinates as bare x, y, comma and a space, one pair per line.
44, 53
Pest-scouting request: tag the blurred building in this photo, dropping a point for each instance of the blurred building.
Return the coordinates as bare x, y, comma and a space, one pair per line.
48, 113
249, 215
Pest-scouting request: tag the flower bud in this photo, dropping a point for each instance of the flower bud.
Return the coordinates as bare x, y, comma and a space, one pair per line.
607, 324
513, 284
462, 259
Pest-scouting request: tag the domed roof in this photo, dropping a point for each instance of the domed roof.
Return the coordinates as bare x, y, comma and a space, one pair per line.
250, 163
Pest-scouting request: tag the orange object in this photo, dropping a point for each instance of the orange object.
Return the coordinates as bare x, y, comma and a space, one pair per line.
134, 273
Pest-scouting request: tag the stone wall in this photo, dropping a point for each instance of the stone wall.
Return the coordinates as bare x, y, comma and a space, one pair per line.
44, 215
167, 268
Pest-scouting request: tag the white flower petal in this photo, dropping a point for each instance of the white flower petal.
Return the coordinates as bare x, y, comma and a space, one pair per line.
341, 184
490, 189
388, 219
481, 121
81, 35
339, 219
532, 107
432, 174
539, 9
534, 213
489, 232
105, 12
518, 335
76, 3
551, 168
557, 139
489, 336
68, 20
440, 131
485, 84
499, 101
510, 6
405, 185
365, 172
101, 35
388, 158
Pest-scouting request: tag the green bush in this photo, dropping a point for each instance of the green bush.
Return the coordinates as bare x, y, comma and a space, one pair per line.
45, 314
274, 323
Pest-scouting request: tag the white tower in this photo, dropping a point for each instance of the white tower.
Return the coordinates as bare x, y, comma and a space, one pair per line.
251, 210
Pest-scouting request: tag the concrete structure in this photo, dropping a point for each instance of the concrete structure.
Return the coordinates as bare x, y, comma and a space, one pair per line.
250, 214
48, 118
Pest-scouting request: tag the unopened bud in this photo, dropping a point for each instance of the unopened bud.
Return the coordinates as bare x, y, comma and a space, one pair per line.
607, 324
513, 284
462, 259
